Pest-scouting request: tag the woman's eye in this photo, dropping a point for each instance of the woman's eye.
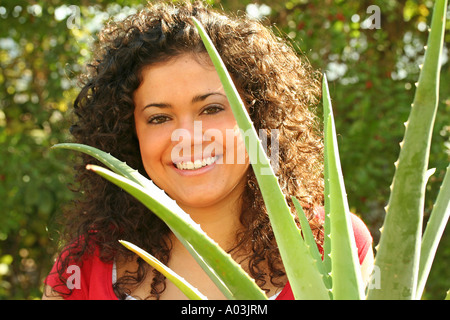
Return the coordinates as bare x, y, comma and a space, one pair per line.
213, 109
158, 119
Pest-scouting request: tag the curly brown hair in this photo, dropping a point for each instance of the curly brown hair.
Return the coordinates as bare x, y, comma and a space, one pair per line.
279, 88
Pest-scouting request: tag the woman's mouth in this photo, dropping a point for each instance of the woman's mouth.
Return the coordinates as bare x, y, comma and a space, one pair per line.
197, 164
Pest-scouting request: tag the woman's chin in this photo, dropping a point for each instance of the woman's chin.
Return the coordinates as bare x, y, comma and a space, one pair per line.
196, 202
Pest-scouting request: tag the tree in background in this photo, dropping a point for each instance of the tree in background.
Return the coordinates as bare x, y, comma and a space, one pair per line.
370, 50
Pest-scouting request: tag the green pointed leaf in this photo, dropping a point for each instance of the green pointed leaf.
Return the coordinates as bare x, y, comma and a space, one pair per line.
345, 268
311, 244
433, 232
113, 163
402, 230
205, 266
306, 281
326, 225
188, 290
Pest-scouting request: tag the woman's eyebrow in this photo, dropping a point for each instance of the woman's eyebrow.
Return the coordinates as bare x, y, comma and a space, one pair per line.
197, 98
203, 97
157, 105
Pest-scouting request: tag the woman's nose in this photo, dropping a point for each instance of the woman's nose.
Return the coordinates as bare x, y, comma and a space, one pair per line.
190, 132
187, 138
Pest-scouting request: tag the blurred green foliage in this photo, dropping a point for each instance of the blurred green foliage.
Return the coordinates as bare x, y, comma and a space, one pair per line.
44, 46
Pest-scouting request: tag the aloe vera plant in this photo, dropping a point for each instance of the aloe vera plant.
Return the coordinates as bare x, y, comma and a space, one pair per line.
399, 250
338, 276
344, 266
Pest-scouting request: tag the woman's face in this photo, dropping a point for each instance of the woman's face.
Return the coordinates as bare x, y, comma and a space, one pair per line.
187, 133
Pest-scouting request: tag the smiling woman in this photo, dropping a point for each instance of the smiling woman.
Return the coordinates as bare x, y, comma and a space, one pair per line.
153, 99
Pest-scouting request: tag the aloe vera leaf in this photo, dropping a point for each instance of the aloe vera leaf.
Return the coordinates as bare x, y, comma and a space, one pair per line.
208, 270
311, 243
185, 287
398, 251
306, 281
345, 268
113, 163
123, 169
326, 101
433, 232
231, 273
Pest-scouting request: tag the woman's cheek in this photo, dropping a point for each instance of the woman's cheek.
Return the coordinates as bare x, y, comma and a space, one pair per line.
236, 151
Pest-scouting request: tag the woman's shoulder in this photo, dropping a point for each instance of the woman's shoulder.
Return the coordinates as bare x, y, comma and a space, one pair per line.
81, 277
363, 238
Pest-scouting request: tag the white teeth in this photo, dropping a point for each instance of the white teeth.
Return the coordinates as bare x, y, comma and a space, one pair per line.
197, 164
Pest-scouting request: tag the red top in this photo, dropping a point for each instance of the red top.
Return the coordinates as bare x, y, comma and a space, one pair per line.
93, 280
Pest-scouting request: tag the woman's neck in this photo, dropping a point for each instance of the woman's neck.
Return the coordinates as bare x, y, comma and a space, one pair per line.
220, 221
